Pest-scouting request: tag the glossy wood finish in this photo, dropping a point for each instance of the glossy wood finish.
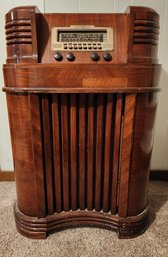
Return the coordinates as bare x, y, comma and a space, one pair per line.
81, 131
39, 228
105, 76
119, 22
21, 37
126, 153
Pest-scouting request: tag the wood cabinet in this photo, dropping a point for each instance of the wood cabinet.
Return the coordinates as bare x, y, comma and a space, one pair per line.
82, 128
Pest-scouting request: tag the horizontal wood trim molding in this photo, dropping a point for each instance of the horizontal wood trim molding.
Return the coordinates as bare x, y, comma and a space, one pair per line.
64, 90
7, 176
154, 175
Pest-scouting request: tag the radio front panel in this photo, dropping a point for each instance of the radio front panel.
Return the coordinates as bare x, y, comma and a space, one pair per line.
85, 38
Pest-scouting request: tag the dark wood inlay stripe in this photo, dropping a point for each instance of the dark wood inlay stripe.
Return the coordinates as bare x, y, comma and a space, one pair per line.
46, 112
90, 152
73, 150
116, 151
82, 151
107, 152
99, 151
57, 152
65, 151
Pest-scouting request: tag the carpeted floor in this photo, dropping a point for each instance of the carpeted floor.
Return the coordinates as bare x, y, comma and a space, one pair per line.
86, 242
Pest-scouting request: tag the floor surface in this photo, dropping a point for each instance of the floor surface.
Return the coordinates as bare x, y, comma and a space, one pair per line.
86, 242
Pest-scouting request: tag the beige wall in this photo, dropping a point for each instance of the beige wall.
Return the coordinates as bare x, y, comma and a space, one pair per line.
160, 151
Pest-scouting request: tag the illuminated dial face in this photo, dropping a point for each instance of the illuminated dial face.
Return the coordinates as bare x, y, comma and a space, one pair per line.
82, 38
85, 36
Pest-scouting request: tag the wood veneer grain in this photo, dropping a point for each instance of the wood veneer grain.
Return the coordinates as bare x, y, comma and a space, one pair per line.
82, 131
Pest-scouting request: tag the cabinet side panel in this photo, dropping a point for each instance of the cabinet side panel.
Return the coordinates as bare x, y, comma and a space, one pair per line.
19, 119
142, 149
126, 153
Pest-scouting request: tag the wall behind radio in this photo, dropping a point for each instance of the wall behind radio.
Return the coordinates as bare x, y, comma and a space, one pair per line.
160, 151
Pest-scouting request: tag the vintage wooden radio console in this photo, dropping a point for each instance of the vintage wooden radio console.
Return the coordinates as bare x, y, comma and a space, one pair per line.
82, 95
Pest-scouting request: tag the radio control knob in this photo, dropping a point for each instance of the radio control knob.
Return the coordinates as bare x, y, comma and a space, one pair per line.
58, 56
107, 57
95, 57
70, 57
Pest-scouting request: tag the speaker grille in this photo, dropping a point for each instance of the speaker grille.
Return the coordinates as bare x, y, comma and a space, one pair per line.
146, 32
81, 150
18, 32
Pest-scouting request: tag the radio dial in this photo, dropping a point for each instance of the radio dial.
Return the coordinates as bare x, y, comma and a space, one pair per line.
70, 57
95, 57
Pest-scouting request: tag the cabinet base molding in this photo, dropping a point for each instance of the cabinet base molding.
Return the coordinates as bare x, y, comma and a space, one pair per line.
40, 228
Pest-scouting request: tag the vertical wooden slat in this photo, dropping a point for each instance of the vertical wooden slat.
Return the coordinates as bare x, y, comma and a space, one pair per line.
116, 152
107, 154
35, 112
90, 151
65, 151
56, 152
82, 150
73, 146
126, 153
99, 149
48, 152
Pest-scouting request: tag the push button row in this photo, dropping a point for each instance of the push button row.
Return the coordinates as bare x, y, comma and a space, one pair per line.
82, 46
94, 56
